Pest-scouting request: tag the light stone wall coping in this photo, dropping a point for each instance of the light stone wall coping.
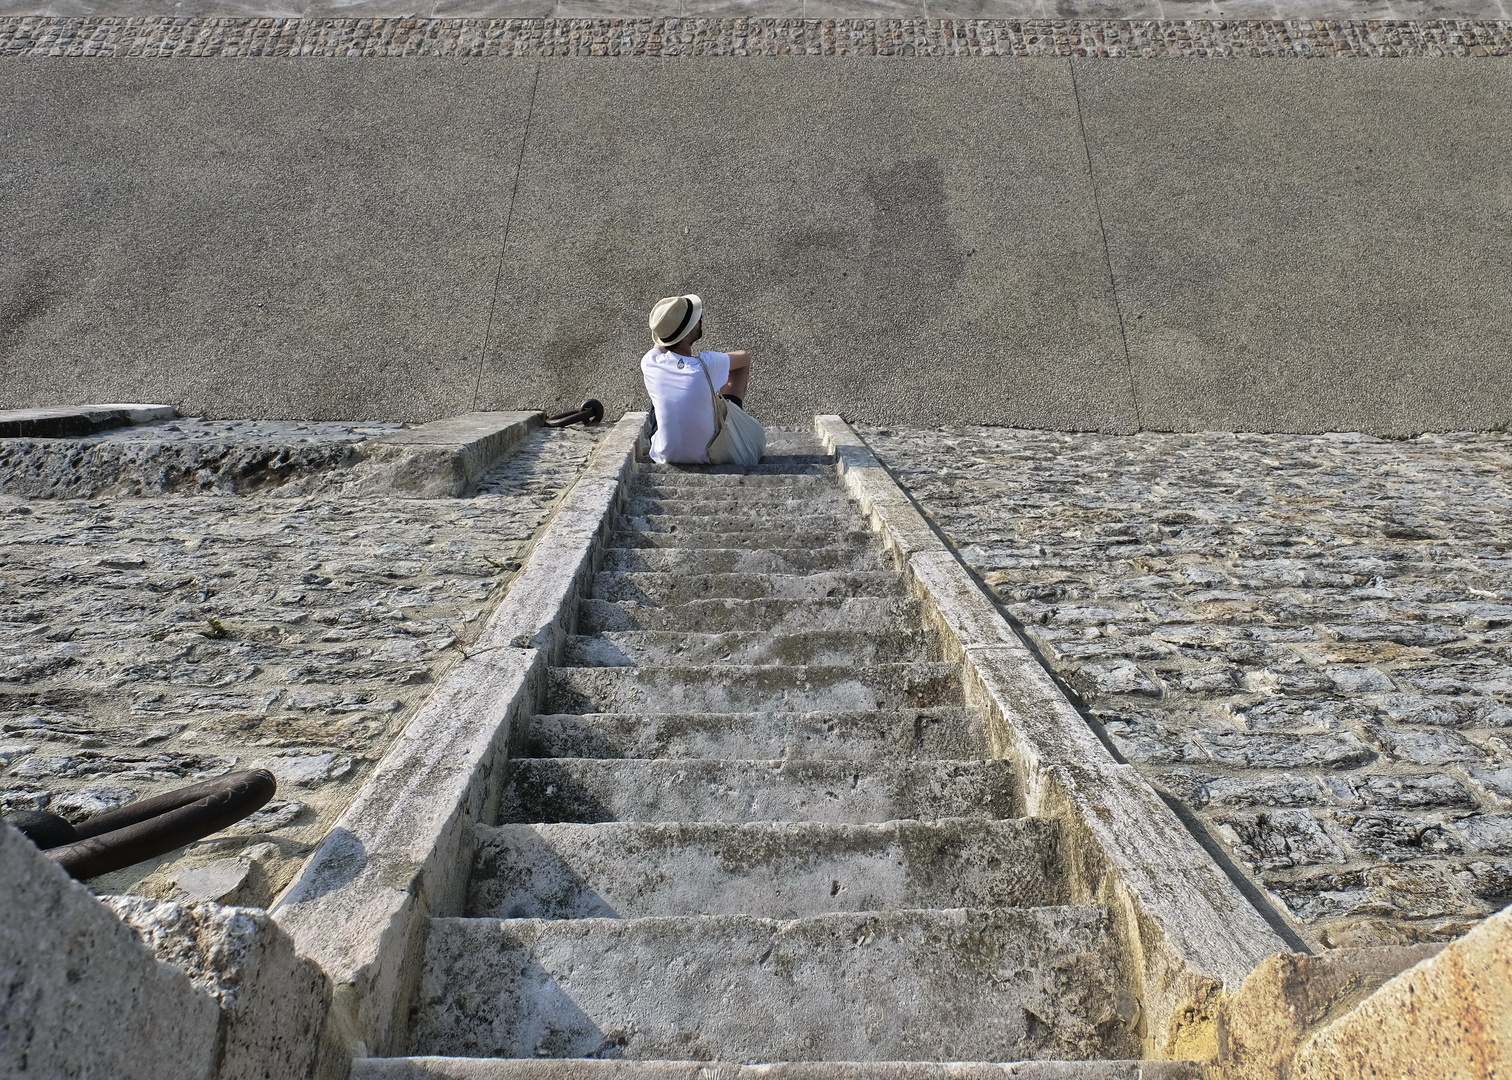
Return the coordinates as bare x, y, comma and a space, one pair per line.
1191, 933
442, 459
402, 851
68, 420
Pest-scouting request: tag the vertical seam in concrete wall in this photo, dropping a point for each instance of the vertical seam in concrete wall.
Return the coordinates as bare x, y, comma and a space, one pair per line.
1123, 334
514, 190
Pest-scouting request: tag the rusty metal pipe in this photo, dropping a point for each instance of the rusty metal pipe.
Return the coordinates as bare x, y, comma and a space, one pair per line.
152, 827
590, 412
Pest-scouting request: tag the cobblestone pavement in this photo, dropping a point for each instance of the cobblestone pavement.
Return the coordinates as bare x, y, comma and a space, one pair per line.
149, 642
1306, 640
40, 36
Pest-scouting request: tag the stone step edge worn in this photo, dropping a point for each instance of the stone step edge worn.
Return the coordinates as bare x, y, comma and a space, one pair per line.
442, 1068
1196, 934
1056, 958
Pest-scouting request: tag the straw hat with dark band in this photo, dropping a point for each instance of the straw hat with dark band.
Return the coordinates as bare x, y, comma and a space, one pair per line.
673, 317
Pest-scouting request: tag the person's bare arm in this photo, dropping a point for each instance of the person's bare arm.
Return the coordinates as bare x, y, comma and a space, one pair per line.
740, 374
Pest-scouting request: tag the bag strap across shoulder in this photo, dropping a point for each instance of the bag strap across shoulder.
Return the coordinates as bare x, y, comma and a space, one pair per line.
721, 407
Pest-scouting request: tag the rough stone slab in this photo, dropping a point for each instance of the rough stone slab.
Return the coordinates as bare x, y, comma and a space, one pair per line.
821, 647
776, 870
753, 523
739, 502
749, 616
1453, 1010
272, 1001
882, 986
75, 469
717, 688
1288, 997
676, 589
401, 850
72, 972
440, 1068
952, 732
774, 463
64, 421
444, 458
748, 538
587, 790
740, 560
773, 481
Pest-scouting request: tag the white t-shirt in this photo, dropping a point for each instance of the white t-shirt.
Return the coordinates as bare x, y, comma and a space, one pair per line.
684, 409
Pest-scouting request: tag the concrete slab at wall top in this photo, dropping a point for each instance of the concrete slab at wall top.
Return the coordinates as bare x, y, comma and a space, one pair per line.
1041, 242
66, 421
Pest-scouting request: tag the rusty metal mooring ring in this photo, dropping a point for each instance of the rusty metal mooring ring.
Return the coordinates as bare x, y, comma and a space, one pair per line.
590, 412
141, 830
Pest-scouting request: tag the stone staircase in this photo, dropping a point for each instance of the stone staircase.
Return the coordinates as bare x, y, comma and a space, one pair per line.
755, 823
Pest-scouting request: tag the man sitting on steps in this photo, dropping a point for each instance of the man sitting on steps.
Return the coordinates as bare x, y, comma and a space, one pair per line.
681, 385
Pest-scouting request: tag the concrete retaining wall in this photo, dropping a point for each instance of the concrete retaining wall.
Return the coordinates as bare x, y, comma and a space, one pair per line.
1084, 244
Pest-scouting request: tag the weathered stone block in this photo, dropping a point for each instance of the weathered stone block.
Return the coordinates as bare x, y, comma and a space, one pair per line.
80, 996
1449, 1017
272, 1001
1289, 995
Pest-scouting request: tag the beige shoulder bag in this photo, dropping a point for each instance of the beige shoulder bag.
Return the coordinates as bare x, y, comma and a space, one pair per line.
739, 438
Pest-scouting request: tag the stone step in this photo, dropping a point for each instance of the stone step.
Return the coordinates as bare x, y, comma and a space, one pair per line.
696, 500
766, 538
771, 465
674, 589
778, 525
591, 790
800, 478
751, 616
962, 984
742, 560
721, 688
798, 440
627, 648
444, 1068
778, 870
955, 732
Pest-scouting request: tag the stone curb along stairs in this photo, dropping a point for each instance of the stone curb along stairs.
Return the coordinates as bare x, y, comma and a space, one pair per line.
400, 852
622, 673
1188, 929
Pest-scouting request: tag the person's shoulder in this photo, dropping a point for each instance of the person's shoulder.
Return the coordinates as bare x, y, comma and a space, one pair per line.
653, 357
